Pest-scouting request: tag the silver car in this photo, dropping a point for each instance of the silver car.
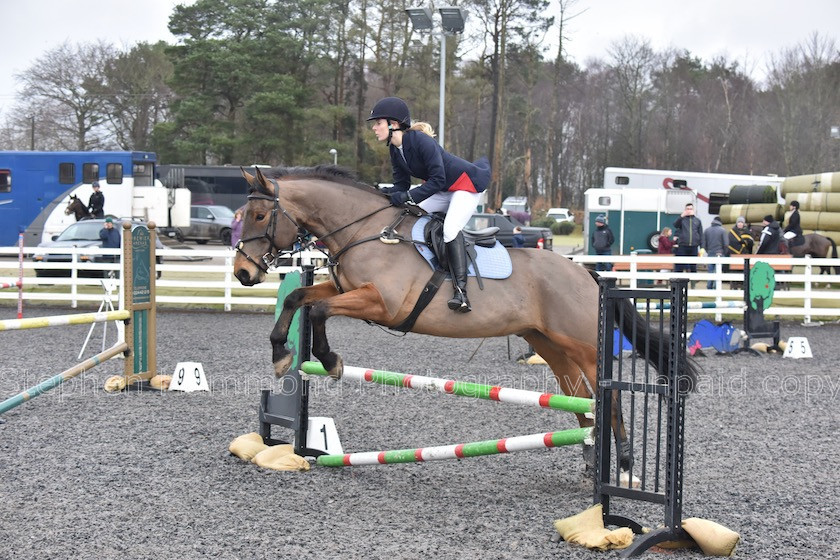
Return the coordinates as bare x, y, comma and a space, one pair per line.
207, 223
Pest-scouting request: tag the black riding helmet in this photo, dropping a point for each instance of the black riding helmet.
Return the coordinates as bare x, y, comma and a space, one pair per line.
391, 108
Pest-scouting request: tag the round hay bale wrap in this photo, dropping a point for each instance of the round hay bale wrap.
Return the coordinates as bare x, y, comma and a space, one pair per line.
815, 201
818, 221
818, 182
752, 212
752, 194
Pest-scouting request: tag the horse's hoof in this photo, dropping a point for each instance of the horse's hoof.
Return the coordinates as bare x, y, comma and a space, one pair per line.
627, 480
281, 366
338, 369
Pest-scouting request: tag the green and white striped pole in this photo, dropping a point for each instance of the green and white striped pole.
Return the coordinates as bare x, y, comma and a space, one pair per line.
461, 388
459, 451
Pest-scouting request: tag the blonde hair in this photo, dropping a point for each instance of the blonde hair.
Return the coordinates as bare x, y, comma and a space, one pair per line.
423, 127
666, 229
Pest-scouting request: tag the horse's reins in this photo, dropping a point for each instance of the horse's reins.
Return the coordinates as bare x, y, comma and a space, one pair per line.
275, 254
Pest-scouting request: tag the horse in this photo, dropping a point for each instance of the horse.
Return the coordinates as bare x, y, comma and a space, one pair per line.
817, 246
549, 301
77, 207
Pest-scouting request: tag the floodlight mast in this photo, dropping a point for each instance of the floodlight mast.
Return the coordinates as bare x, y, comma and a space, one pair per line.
452, 19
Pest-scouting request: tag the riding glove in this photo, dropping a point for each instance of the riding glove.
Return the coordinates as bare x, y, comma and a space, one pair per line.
399, 198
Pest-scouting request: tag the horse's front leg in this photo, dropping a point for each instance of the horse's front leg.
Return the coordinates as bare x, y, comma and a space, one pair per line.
281, 357
364, 302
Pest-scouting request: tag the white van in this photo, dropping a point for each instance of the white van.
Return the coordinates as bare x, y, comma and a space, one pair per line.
560, 214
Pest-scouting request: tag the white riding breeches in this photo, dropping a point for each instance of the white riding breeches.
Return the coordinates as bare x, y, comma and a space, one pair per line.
459, 207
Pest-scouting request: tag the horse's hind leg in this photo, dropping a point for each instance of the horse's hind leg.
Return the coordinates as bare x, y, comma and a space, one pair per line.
579, 379
571, 379
280, 355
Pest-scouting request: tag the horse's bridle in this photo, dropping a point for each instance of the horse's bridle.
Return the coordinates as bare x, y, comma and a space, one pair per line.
275, 254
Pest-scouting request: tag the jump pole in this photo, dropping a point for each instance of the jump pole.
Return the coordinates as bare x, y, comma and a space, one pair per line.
461, 450
694, 305
63, 320
57, 380
9, 284
460, 388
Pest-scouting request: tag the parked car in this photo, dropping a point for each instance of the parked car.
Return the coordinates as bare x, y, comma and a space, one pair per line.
81, 234
535, 237
207, 223
560, 214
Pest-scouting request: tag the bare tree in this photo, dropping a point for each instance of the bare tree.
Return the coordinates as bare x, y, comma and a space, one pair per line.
64, 87
803, 101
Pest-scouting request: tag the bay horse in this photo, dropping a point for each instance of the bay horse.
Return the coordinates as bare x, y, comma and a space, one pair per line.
548, 300
819, 247
77, 207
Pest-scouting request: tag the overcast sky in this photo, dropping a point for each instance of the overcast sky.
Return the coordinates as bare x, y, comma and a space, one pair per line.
748, 31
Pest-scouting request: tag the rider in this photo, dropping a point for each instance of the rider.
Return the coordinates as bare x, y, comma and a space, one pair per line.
452, 185
793, 231
96, 202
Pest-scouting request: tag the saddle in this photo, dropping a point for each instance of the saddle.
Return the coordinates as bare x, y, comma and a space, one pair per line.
433, 235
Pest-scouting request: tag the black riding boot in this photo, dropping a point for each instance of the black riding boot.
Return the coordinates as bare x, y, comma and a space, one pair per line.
457, 256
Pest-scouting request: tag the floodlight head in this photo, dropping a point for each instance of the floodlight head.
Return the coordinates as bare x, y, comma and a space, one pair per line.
421, 18
452, 19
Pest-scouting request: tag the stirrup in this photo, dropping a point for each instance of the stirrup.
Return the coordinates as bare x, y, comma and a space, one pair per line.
459, 302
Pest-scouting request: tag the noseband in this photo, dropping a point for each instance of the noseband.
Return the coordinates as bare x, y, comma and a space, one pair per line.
275, 254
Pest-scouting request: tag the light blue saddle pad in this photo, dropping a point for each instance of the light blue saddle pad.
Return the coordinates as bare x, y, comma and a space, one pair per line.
493, 262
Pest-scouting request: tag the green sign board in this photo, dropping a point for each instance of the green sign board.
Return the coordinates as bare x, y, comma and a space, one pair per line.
141, 278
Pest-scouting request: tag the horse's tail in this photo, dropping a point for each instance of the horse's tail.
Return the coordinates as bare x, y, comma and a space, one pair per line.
834, 253
653, 345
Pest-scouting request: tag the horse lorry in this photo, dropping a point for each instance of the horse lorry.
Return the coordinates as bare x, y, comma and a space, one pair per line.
638, 203
36, 187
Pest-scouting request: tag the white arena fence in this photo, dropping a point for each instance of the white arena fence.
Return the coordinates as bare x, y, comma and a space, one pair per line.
205, 276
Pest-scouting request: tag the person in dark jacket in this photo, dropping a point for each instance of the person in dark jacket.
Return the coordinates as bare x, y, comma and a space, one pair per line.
110, 238
688, 233
771, 235
96, 203
602, 239
716, 244
452, 185
518, 238
740, 240
793, 230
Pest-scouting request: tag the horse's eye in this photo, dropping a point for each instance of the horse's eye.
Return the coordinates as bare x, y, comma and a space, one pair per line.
260, 217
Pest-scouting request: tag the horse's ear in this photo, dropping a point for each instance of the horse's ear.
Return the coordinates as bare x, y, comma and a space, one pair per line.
248, 177
261, 178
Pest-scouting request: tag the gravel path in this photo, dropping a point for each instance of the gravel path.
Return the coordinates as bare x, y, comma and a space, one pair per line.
91, 475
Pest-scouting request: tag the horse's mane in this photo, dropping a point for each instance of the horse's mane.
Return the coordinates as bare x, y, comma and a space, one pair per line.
331, 173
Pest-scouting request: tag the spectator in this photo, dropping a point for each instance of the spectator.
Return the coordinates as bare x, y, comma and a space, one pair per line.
688, 234
666, 244
110, 238
518, 238
740, 239
602, 239
96, 203
715, 242
771, 235
236, 228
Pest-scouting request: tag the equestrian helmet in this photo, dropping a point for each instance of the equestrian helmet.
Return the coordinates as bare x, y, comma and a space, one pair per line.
391, 108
